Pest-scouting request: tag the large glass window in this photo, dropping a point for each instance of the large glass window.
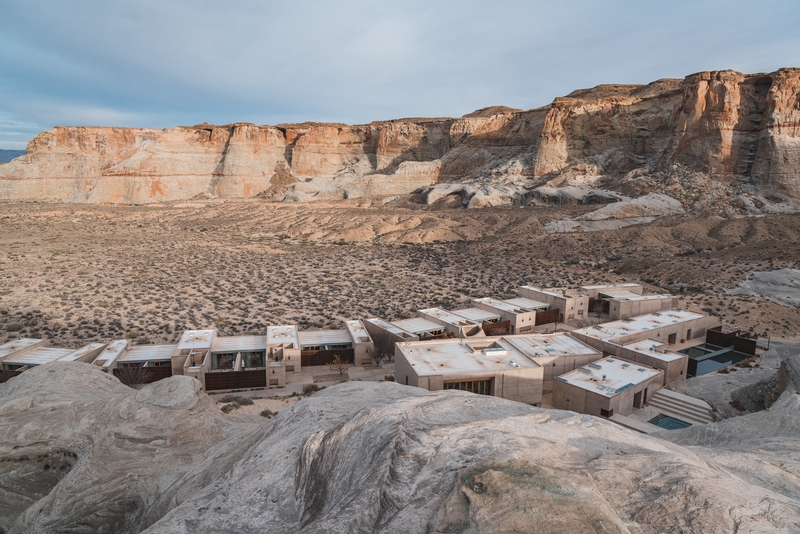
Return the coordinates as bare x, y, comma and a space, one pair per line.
254, 359
481, 386
223, 361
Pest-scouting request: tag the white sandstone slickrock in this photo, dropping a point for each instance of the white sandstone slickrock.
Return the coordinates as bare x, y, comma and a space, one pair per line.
364, 457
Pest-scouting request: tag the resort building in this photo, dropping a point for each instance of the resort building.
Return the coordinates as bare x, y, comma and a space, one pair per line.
484, 367
478, 315
453, 323
655, 354
623, 301
515, 367
571, 303
606, 387
670, 327
416, 328
522, 319
22, 354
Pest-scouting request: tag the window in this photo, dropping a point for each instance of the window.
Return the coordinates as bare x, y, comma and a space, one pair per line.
481, 386
290, 368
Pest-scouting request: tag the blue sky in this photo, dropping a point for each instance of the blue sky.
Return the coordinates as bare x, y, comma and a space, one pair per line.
155, 63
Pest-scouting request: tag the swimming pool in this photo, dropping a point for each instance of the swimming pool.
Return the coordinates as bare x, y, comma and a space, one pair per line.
705, 358
668, 422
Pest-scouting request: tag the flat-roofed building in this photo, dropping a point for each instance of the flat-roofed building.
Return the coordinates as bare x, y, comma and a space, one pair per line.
606, 387
622, 301
237, 353
378, 327
190, 357
656, 354
107, 359
479, 366
669, 327
521, 319
283, 346
455, 324
22, 354
478, 315
572, 303
421, 328
362, 342
594, 291
320, 347
557, 353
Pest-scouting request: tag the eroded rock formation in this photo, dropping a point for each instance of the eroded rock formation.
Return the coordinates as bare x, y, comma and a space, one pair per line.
81, 453
734, 129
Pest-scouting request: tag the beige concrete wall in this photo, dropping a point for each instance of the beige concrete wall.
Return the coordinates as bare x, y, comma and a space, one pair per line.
291, 357
698, 329
625, 309
673, 370
276, 373
569, 305
568, 396
403, 371
554, 366
518, 321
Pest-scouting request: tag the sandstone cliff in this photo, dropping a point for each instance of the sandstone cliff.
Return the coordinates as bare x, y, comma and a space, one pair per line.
739, 130
79, 452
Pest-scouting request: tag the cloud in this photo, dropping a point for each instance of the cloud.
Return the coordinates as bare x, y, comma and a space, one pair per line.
157, 64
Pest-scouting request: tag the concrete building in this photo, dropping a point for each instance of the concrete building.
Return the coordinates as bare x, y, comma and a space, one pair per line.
623, 301
656, 354
670, 327
606, 387
572, 303
22, 354
478, 315
522, 319
557, 353
481, 366
454, 324
416, 328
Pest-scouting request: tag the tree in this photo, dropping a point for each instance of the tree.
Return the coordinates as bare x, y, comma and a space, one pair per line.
382, 346
339, 366
133, 377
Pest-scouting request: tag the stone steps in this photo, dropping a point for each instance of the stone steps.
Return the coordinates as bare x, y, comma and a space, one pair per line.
682, 407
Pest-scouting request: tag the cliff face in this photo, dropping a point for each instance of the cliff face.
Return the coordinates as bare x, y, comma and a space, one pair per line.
734, 128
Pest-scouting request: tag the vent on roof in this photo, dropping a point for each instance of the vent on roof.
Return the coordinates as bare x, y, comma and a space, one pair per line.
585, 370
594, 365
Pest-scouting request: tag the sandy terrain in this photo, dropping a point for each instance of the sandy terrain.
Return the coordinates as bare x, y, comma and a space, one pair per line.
274, 404
81, 273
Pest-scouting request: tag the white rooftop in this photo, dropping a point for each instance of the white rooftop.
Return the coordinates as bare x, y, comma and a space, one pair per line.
477, 314
81, 352
528, 304
324, 337
358, 332
447, 317
239, 343
278, 335
417, 325
196, 339
547, 345
627, 295
619, 376
148, 353
638, 324
11, 347
500, 305
389, 327
455, 356
655, 349
609, 286
111, 352
554, 291
38, 356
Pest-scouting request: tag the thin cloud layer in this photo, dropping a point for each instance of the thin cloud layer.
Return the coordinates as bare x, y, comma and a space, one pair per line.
160, 64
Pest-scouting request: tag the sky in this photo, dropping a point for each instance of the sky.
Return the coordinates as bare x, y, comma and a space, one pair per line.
157, 64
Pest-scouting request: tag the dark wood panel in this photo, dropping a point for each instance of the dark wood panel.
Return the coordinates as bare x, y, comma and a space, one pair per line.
313, 358
236, 380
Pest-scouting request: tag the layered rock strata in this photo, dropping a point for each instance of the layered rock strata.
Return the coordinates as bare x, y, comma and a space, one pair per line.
735, 129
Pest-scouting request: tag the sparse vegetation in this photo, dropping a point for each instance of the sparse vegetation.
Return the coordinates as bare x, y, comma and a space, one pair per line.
309, 389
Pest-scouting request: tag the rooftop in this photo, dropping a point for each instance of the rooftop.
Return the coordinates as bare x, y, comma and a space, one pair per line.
639, 324
81, 352
239, 343
528, 304
323, 337
609, 286
619, 376
11, 347
477, 314
358, 332
544, 345
197, 339
655, 349
278, 335
447, 317
501, 305
417, 325
38, 356
148, 353
619, 294
555, 291
111, 352
389, 327
456, 356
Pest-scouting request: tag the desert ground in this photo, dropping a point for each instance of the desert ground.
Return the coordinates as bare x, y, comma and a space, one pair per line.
80, 273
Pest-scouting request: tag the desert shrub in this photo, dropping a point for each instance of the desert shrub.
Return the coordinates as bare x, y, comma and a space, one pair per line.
309, 389
228, 408
14, 327
267, 413
237, 399
389, 378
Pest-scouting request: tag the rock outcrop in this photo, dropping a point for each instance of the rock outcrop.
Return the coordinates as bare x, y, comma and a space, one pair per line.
742, 131
81, 453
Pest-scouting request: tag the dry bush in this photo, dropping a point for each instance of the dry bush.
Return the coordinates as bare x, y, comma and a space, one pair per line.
134, 377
